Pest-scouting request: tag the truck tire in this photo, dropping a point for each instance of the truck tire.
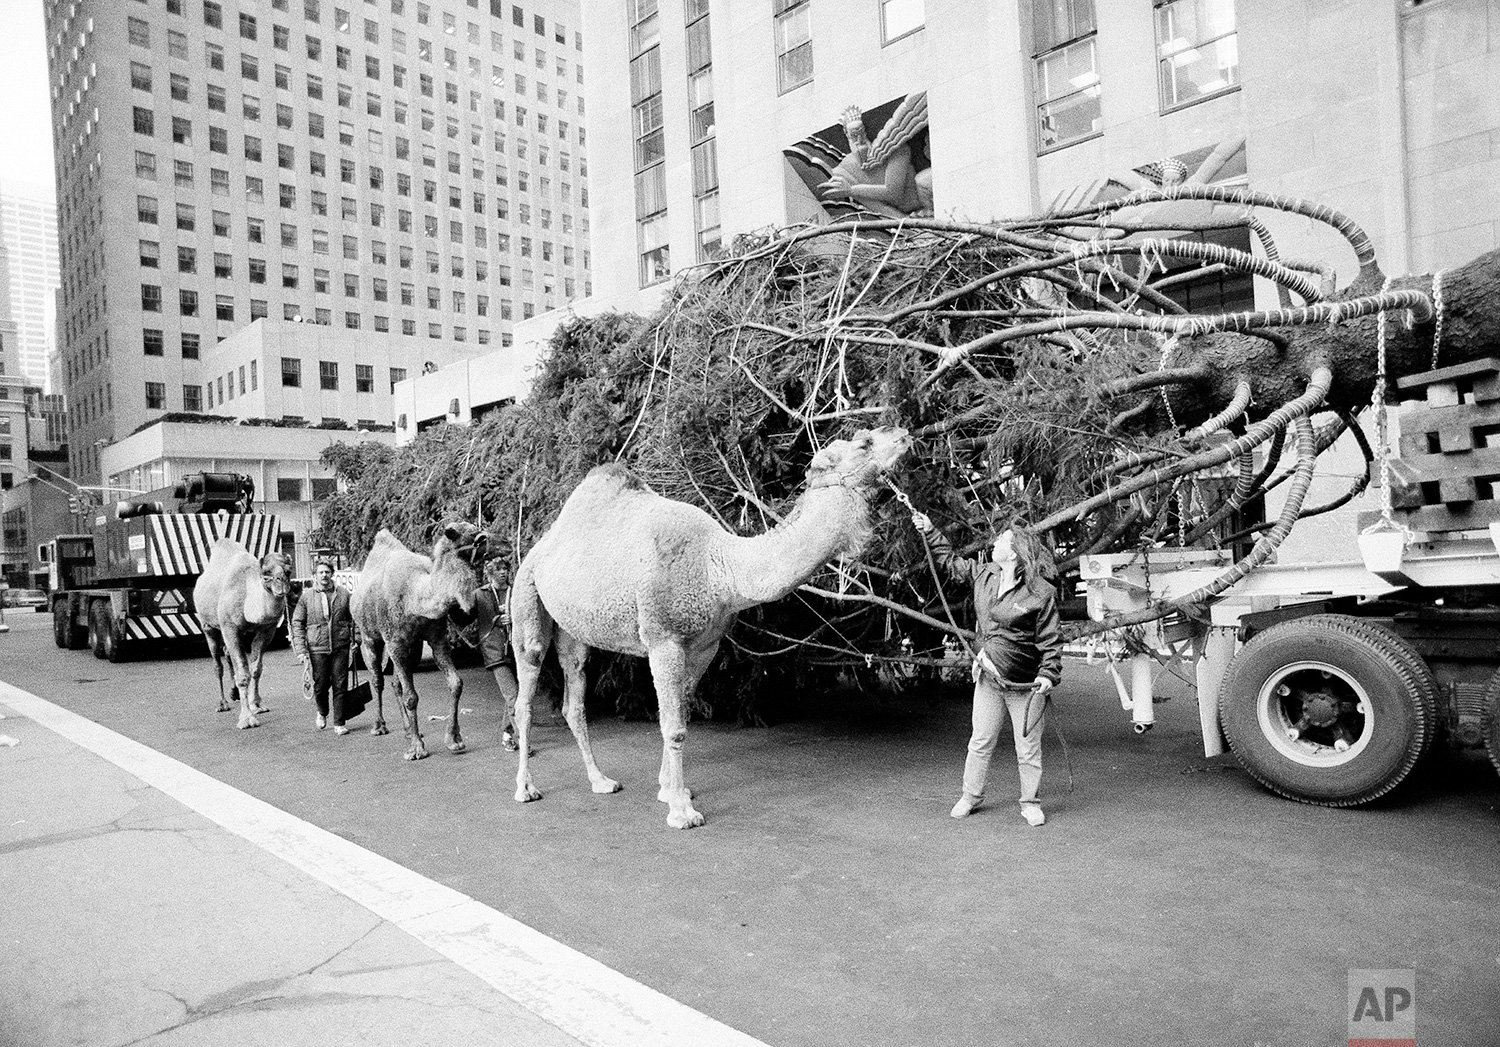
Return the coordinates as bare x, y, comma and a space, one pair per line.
1328, 709
104, 632
98, 625
1492, 720
64, 632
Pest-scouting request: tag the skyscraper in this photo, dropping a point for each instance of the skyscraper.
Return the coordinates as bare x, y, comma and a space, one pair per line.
28, 271
394, 166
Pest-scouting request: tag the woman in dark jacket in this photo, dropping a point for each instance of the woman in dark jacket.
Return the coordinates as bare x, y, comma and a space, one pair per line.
1019, 659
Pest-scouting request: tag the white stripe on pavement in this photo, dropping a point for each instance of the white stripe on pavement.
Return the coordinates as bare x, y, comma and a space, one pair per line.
577, 994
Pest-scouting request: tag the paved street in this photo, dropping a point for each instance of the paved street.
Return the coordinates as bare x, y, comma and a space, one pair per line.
830, 900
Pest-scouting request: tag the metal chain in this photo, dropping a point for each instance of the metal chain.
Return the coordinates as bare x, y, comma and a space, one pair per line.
1377, 402
1437, 311
1166, 353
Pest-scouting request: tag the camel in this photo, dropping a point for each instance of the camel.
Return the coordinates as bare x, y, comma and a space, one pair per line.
238, 599
624, 569
403, 598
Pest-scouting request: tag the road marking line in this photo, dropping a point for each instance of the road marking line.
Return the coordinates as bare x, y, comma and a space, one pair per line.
579, 995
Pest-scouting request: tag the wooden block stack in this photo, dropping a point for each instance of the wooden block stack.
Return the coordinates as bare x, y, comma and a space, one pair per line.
1447, 477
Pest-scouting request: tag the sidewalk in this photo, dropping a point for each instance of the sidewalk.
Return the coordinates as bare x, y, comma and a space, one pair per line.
146, 903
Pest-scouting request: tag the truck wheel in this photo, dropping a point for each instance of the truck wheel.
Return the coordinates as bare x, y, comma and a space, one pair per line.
65, 631
1328, 709
98, 625
1492, 719
114, 647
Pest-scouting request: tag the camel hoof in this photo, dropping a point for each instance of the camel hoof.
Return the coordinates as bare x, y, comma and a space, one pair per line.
379, 727
225, 707
414, 754
259, 709
689, 819
606, 785
244, 724
527, 794
458, 747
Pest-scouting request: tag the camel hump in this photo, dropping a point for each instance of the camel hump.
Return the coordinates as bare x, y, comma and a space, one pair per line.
616, 474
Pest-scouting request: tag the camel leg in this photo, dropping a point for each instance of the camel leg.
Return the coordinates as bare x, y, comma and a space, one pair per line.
373, 651
670, 673
257, 653
241, 680
696, 665
573, 655
441, 654
216, 648
530, 638
406, 690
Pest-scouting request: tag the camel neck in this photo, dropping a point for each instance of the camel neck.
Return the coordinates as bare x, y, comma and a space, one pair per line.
435, 592
827, 521
260, 605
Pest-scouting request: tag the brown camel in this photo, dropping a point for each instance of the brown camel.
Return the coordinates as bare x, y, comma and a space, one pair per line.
239, 601
403, 598
624, 569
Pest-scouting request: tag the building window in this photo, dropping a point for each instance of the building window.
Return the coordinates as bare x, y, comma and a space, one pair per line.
156, 396
1197, 50
364, 378
150, 254
654, 253
151, 342
288, 490
143, 120
139, 31
150, 298
1067, 79
187, 303
291, 372
224, 306
140, 76
898, 18
707, 217
398, 374
190, 345
192, 398
794, 58
328, 374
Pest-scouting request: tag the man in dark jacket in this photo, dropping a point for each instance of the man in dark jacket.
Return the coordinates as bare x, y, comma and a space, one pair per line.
322, 632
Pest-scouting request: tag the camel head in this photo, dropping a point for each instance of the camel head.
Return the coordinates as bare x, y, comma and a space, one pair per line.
459, 553
274, 570
860, 461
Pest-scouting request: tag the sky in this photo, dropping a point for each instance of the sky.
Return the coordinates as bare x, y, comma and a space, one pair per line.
25, 116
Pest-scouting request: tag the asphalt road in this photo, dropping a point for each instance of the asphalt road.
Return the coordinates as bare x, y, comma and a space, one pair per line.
831, 901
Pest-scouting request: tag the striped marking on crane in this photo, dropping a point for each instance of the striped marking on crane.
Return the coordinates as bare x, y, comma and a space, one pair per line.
162, 626
180, 543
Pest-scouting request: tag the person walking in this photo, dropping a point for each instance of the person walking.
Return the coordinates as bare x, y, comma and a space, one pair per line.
322, 632
491, 615
1019, 658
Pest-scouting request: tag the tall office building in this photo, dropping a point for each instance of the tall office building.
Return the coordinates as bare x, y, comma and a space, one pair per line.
28, 271
981, 110
402, 167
